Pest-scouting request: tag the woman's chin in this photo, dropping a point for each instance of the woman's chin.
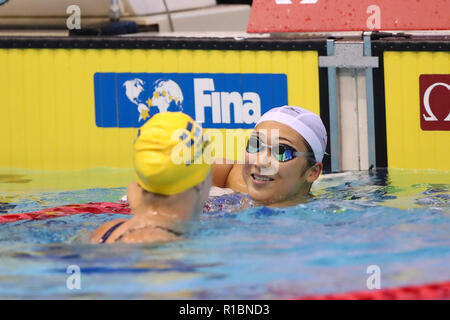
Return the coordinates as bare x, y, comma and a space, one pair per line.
260, 197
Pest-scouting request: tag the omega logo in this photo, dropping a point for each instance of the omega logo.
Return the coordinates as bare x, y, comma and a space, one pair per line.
426, 102
435, 102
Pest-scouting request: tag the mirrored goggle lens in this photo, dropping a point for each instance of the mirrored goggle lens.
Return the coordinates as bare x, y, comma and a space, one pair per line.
254, 145
281, 152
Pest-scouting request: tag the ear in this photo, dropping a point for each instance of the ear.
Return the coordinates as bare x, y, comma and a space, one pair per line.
314, 172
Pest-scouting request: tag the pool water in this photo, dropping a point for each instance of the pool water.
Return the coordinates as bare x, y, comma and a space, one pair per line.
397, 220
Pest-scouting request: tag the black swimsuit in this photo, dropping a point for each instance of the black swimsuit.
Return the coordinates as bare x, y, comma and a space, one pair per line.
111, 230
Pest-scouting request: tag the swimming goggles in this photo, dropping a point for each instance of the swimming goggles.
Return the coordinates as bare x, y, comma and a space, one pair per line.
281, 152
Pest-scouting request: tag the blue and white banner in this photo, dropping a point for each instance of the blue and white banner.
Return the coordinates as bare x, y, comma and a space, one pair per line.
215, 100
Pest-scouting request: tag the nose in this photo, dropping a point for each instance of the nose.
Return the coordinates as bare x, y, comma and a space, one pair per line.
263, 159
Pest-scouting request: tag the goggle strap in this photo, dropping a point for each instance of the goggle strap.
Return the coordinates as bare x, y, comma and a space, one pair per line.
304, 154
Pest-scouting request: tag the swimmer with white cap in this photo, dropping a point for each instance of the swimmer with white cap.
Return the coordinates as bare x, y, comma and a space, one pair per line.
289, 139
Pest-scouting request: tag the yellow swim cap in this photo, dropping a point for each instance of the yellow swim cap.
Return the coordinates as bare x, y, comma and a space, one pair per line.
168, 154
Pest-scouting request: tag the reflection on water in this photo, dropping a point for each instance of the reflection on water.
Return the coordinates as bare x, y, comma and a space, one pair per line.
399, 221
13, 178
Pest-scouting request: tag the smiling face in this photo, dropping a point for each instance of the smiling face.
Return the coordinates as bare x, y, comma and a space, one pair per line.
275, 183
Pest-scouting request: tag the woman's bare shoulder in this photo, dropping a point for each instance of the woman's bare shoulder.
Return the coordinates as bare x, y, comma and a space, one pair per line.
220, 170
235, 180
148, 234
100, 232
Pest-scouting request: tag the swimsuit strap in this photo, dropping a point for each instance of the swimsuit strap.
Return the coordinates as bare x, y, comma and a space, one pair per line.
176, 233
111, 230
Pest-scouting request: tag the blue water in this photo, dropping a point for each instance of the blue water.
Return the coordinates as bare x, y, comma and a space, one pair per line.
400, 223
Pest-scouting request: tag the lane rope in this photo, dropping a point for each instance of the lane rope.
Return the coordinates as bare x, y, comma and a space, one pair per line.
431, 291
92, 207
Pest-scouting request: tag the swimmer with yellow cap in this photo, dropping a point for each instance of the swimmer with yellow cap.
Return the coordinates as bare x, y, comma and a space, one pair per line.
172, 182
283, 158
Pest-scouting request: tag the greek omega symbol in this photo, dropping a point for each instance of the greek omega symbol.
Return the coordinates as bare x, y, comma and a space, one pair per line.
435, 102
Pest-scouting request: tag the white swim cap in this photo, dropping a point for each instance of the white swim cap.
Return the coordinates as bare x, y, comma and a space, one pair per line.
306, 123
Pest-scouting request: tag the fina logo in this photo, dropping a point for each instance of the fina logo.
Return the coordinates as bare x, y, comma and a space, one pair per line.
168, 96
247, 108
214, 100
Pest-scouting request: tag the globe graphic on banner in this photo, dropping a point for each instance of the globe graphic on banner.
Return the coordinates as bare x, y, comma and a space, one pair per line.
166, 96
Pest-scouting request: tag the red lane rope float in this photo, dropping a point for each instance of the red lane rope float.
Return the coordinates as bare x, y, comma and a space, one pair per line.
433, 291
92, 207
